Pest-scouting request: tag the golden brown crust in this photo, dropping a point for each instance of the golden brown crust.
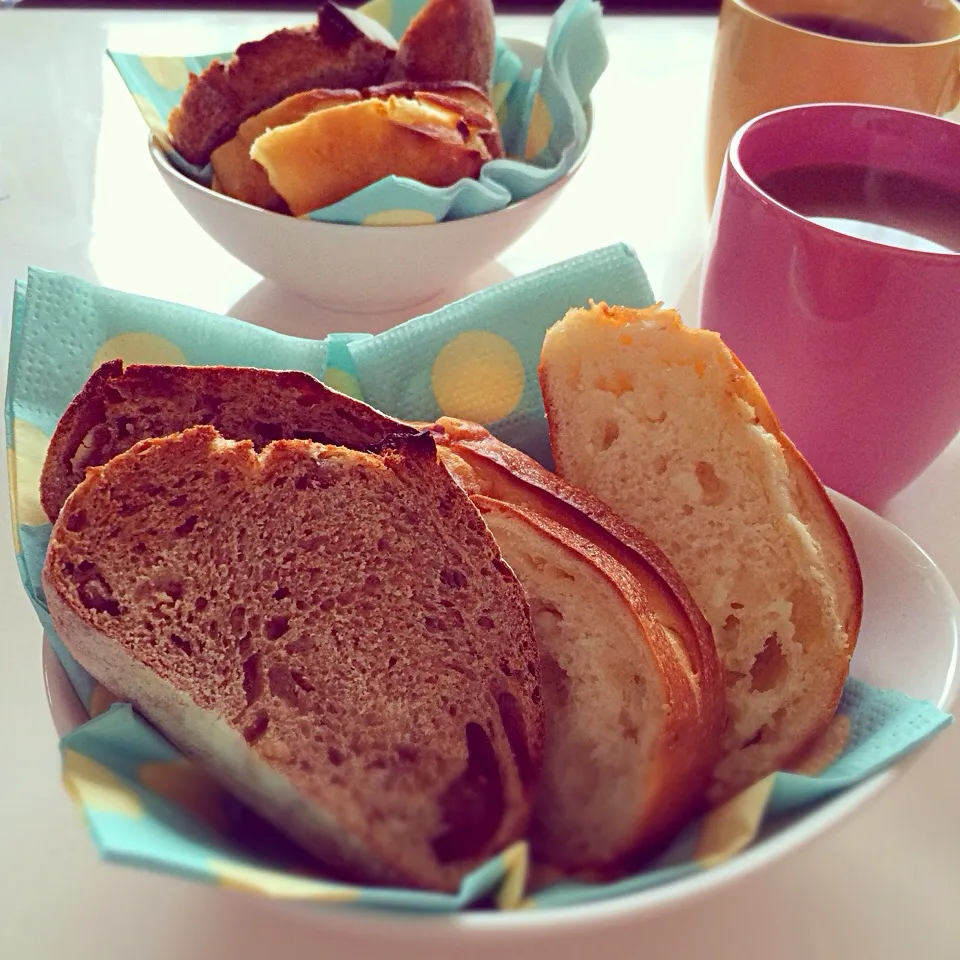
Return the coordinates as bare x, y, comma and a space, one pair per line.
243, 178
331, 154
118, 407
333, 53
448, 40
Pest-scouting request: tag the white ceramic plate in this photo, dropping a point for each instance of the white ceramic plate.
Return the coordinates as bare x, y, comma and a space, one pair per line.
908, 641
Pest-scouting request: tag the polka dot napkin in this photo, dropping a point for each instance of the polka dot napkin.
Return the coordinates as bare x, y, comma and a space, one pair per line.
144, 804
541, 109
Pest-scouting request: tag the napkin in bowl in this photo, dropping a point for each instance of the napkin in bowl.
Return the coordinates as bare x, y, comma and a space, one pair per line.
143, 802
542, 113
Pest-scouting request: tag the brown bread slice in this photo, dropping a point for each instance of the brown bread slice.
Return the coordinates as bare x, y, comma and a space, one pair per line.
118, 407
333, 634
342, 50
664, 424
448, 40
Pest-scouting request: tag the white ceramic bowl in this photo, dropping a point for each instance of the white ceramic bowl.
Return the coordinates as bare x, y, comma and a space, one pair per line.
908, 641
363, 269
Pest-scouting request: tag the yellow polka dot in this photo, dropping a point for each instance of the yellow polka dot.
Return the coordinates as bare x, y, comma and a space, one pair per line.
153, 120
342, 381
186, 785
379, 10
169, 72
729, 828
516, 861
399, 218
24, 463
478, 376
101, 700
139, 348
93, 786
825, 749
539, 129
498, 96
272, 883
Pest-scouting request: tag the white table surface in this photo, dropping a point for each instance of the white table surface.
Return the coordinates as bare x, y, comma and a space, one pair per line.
82, 197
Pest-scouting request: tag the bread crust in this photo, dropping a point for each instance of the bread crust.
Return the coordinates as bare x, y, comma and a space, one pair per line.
371, 795
336, 52
105, 417
448, 40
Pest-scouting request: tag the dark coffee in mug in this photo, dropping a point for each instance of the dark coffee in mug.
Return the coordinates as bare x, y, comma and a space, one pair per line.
847, 198
842, 28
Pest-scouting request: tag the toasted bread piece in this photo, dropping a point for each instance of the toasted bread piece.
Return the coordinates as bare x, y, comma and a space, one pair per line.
331, 154
664, 424
242, 178
343, 50
448, 40
118, 407
627, 756
332, 634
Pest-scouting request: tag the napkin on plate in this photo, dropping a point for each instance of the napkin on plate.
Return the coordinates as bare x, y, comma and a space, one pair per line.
541, 109
143, 802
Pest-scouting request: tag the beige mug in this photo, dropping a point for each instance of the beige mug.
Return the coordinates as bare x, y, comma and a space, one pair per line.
769, 55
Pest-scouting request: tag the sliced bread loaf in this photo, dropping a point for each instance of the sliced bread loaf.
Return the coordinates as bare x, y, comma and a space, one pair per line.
664, 424
118, 407
331, 633
632, 685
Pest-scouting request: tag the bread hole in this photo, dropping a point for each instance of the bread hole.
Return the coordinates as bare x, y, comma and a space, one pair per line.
275, 627
713, 490
280, 481
200, 604
181, 644
505, 668
769, 667
139, 547
391, 663
407, 752
556, 680
281, 684
178, 501
382, 543
299, 645
257, 727
371, 583
433, 624
327, 604
617, 382
546, 617
301, 681
221, 476
187, 526
252, 678
95, 594
172, 587
730, 631
686, 510
281, 593
511, 716
453, 710
335, 757
237, 619
609, 434
628, 727
269, 431
659, 464
472, 806
658, 416
484, 622
736, 606
453, 578
76, 521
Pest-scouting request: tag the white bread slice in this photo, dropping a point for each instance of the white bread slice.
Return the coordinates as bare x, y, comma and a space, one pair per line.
664, 424
632, 685
620, 707
332, 634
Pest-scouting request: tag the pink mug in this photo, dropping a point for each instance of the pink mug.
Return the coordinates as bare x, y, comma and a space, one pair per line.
854, 341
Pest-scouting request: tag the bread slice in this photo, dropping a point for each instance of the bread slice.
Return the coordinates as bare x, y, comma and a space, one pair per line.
333, 634
117, 407
448, 40
664, 424
632, 685
343, 50
242, 178
333, 153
